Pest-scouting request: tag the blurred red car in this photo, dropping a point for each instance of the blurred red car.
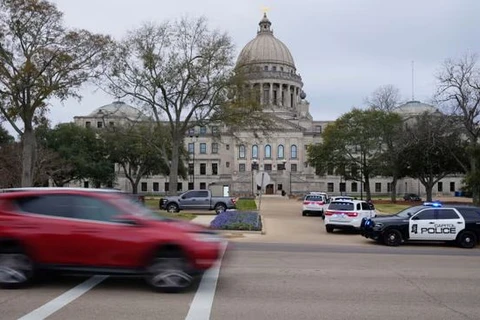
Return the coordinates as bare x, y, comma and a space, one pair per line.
98, 231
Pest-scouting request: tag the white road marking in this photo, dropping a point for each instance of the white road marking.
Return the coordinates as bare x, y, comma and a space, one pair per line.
62, 300
201, 306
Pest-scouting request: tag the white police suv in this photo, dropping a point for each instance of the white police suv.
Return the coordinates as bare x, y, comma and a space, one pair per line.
431, 221
347, 214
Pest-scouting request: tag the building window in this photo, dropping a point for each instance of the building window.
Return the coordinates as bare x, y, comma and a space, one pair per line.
111, 124
268, 167
144, 187
318, 129
254, 166
191, 169
281, 166
191, 148
241, 151
241, 167
203, 130
266, 96
203, 186
179, 186
166, 186
281, 152
440, 187
203, 148
255, 151
378, 187
227, 147
293, 152
452, 186
99, 124
343, 187
156, 186
389, 187
214, 130
215, 147
330, 187
275, 97
279, 187
293, 167
227, 164
265, 68
191, 132
354, 187
268, 151
191, 186
88, 124
215, 169
203, 169
274, 68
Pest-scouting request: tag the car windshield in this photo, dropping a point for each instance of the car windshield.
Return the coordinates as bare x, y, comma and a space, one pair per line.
341, 205
135, 208
408, 212
314, 198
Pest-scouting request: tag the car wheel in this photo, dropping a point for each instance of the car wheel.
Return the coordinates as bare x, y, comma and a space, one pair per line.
219, 208
169, 272
172, 208
16, 269
392, 238
329, 229
467, 239
304, 213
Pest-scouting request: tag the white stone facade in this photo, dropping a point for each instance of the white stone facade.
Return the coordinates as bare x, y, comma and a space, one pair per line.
233, 162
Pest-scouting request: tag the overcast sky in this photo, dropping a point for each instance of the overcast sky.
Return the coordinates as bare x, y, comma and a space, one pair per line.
343, 49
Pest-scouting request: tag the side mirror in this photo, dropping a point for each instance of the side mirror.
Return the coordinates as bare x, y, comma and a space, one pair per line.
127, 220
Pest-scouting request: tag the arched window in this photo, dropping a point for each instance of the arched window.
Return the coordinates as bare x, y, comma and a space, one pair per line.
293, 152
241, 151
268, 151
280, 152
255, 151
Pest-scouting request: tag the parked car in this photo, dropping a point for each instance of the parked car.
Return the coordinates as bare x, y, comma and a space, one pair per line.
98, 231
431, 221
347, 214
314, 204
411, 197
197, 200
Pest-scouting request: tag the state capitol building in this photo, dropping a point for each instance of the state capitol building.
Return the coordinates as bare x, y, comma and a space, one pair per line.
232, 163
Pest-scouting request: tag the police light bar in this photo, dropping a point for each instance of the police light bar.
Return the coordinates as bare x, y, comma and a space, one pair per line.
433, 204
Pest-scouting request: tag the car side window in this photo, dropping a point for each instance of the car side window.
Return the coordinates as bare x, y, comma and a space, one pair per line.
202, 194
188, 195
90, 208
447, 214
366, 206
49, 205
427, 214
358, 206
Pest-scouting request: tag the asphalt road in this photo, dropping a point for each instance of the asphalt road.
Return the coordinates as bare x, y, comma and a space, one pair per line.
289, 281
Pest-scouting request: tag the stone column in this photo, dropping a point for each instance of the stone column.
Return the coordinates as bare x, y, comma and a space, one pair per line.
271, 93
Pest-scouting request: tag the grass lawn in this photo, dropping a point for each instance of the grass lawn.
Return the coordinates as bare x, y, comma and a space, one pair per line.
182, 215
246, 205
391, 207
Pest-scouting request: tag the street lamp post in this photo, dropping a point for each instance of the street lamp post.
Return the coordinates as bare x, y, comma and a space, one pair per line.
284, 161
194, 139
254, 167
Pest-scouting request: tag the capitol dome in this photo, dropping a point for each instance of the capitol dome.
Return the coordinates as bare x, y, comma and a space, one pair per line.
266, 49
118, 109
413, 108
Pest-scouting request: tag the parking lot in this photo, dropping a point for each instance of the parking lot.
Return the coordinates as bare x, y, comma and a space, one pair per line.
295, 270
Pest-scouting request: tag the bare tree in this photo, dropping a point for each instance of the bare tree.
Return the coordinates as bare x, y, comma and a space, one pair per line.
386, 98
40, 59
458, 93
181, 72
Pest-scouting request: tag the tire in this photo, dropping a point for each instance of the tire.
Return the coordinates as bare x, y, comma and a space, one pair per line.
467, 239
329, 228
392, 238
16, 269
304, 213
169, 272
220, 207
172, 208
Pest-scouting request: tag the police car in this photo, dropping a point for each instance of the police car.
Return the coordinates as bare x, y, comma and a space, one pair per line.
347, 214
431, 221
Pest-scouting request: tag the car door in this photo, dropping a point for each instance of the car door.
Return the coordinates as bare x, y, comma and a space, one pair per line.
199, 200
449, 224
367, 211
422, 224
186, 200
48, 228
101, 240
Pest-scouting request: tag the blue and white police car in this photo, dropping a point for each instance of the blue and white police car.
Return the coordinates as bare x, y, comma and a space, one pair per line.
431, 221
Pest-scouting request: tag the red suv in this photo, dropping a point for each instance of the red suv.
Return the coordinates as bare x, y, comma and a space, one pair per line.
98, 232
